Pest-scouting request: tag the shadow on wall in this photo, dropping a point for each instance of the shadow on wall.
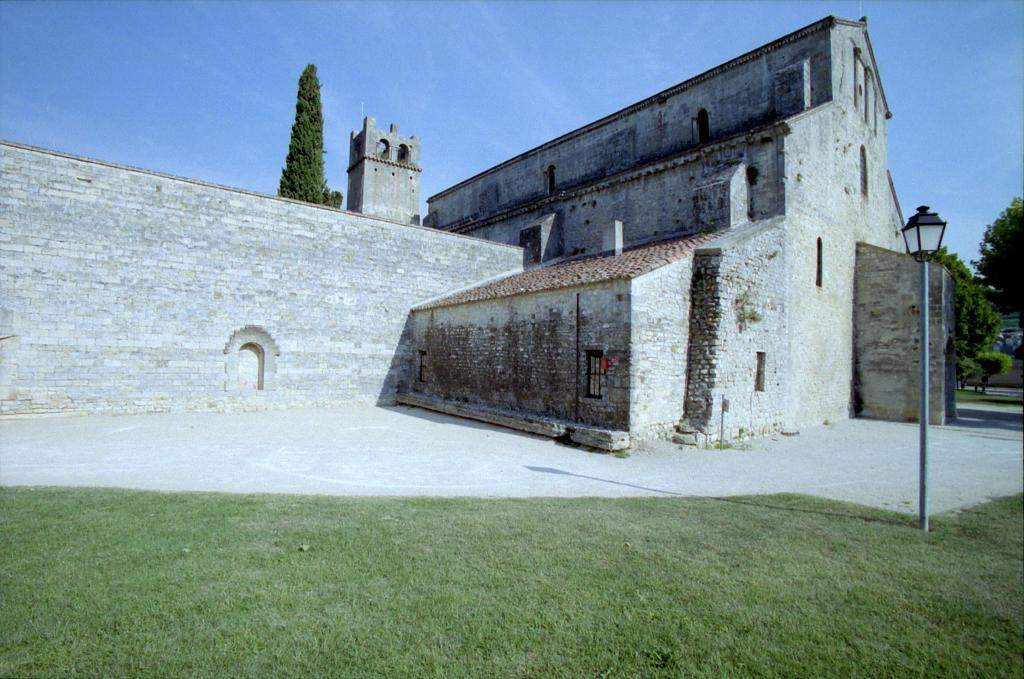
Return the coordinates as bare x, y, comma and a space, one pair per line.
400, 369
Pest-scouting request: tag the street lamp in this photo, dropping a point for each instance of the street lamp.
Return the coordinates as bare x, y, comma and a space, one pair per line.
923, 237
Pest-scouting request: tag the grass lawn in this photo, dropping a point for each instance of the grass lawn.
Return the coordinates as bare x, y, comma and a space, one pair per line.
971, 396
116, 583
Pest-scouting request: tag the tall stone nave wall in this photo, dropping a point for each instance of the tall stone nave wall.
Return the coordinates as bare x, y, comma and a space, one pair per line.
123, 290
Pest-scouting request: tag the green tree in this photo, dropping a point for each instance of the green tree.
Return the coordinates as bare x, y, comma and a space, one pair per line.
1002, 252
332, 198
977, 321
303, 175
967, 369
992, 362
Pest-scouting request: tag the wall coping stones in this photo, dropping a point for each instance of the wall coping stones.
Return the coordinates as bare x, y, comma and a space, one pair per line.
724, 240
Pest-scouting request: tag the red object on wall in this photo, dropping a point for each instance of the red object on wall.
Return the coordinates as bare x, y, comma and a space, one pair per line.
604, 363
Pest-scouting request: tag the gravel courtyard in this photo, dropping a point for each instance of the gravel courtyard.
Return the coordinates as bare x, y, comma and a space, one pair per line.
408, 451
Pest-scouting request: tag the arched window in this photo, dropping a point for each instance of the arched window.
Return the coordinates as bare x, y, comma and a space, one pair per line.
863, 171
250, 367
818, 271
383, 149
549, 179
403, 153
703, 126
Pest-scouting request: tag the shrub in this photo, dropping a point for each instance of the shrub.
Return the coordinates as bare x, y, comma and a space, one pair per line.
992, 363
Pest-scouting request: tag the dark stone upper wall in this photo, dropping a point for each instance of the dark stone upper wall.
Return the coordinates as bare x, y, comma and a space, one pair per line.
768, 84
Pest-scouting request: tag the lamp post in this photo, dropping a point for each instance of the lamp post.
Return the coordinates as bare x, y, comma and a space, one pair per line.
923, 237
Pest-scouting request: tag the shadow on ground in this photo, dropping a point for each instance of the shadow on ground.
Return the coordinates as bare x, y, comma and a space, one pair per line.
978, 418
871, 516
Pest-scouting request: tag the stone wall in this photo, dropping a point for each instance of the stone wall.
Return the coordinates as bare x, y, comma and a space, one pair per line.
887, 378
826, 198
768, 84
738, 302
660, 326
528, 352
722, 184
123, 289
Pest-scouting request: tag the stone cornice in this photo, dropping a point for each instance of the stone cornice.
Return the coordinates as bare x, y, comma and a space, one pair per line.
382, 161
819, 25
657, 166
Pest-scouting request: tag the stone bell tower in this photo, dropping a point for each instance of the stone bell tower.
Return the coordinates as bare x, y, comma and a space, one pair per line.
384, 174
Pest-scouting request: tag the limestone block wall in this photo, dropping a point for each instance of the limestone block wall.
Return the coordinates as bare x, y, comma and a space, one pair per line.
528, 353
767, 84
887, 319
827, 197
123, 289
738, 312
659, 330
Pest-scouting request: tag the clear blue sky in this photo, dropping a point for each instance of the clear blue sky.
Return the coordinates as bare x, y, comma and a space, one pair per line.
207, 90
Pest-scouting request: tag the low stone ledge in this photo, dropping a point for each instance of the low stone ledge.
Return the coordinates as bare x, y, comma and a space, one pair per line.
532, 425
605, 439
593, 437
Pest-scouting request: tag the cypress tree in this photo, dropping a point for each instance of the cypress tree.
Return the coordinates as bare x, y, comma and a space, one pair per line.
303, 175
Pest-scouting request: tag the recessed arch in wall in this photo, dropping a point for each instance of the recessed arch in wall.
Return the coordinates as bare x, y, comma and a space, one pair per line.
549, 179
250, 360
403, 153
383, 149
856, 76
250, 367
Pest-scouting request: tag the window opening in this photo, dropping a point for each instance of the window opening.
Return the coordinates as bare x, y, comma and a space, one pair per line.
817, 275
597, 367
759, 372
703, 126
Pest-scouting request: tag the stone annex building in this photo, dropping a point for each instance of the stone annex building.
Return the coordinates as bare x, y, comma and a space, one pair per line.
731, 243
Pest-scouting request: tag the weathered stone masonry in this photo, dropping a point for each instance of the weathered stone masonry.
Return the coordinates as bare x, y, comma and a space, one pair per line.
886, 384
780, 154
527, 352
120, 289
728, 240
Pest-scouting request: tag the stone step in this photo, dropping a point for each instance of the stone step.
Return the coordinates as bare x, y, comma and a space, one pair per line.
685, 439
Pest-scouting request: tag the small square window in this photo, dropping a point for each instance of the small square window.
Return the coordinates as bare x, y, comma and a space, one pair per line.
597, 367
759, 372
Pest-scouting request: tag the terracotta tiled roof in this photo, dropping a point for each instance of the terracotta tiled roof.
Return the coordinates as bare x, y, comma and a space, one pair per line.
593, 269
